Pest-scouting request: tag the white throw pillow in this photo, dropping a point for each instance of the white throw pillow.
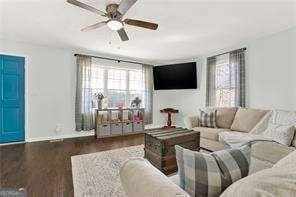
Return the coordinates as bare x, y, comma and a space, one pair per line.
279, 126
283, 117
282, 134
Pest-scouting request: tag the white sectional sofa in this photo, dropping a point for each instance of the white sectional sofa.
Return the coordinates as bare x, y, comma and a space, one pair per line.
140, 178
264, 154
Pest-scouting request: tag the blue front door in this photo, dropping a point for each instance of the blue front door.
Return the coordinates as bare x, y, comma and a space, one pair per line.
12, 99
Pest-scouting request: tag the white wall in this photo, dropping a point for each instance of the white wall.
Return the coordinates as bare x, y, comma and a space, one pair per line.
50, 81
187, 101
50, 84
271, 71
271, 78
50, 89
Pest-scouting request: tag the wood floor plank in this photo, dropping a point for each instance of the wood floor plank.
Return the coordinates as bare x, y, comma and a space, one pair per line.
44, 168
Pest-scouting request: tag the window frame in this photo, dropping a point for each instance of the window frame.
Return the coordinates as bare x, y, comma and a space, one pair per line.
127, 91
223, 61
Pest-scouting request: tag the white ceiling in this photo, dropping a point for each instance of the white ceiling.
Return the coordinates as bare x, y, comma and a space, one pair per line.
187, 28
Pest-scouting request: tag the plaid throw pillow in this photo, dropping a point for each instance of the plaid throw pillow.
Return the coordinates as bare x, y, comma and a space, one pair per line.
207, 119
204, 174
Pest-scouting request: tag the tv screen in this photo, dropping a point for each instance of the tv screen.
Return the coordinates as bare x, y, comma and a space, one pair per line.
175, 76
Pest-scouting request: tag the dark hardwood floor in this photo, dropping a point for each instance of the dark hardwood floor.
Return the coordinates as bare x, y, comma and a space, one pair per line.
44, 168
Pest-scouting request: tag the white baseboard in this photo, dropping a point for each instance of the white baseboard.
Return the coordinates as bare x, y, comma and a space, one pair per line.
12, 143
58, 137
74, 135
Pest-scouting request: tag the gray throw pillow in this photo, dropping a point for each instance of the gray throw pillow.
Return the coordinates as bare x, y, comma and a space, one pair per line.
203, 174
207, 118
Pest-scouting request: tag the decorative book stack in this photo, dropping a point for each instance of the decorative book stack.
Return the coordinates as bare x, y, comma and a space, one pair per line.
119, 121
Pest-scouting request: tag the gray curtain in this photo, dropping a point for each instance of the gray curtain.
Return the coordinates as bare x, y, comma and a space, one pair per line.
148, 81
237, 62
211, 80
235, 70
84, 114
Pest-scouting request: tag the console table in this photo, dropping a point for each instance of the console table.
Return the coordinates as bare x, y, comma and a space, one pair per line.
119, 121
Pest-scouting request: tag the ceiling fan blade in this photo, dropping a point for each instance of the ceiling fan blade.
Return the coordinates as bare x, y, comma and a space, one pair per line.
94, 26
87, 7
143, 24
125, 5
123, 34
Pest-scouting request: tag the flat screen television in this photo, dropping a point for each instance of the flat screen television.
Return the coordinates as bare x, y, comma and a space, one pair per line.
175, 76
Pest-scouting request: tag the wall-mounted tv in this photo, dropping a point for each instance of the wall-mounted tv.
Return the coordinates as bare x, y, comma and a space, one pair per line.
175, 76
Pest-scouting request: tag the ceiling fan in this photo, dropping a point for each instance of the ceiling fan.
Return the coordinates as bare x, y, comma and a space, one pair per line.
115, 13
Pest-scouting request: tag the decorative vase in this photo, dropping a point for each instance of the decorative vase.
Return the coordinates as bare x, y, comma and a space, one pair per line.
99, 104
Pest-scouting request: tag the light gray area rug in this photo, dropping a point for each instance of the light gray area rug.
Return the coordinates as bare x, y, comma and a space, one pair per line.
97, 174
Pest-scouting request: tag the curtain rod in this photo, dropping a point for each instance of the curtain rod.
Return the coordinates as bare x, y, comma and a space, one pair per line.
228, 52
106, 58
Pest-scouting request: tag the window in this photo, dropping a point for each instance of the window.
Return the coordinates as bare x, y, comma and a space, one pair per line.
116, 90
226, 80
136, 86
120, 82
224, 84
119, 85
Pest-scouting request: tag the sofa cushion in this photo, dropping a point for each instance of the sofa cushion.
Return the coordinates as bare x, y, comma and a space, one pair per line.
209, 133
270, 151
258, 165
280, 180
262, 125
203, 174
246, 119
191, 122
288, 161
212, 145
225, 116
140, 178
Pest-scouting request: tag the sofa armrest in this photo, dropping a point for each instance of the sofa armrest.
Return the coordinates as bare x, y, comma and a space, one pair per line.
140, 179
191, 122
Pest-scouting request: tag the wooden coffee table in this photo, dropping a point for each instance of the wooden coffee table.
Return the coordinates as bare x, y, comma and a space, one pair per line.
160, 146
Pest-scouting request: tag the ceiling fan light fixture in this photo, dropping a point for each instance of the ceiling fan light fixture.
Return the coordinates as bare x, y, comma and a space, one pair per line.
114, 12
114, 24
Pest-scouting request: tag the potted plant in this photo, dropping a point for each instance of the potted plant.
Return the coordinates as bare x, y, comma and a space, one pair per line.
99, 98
